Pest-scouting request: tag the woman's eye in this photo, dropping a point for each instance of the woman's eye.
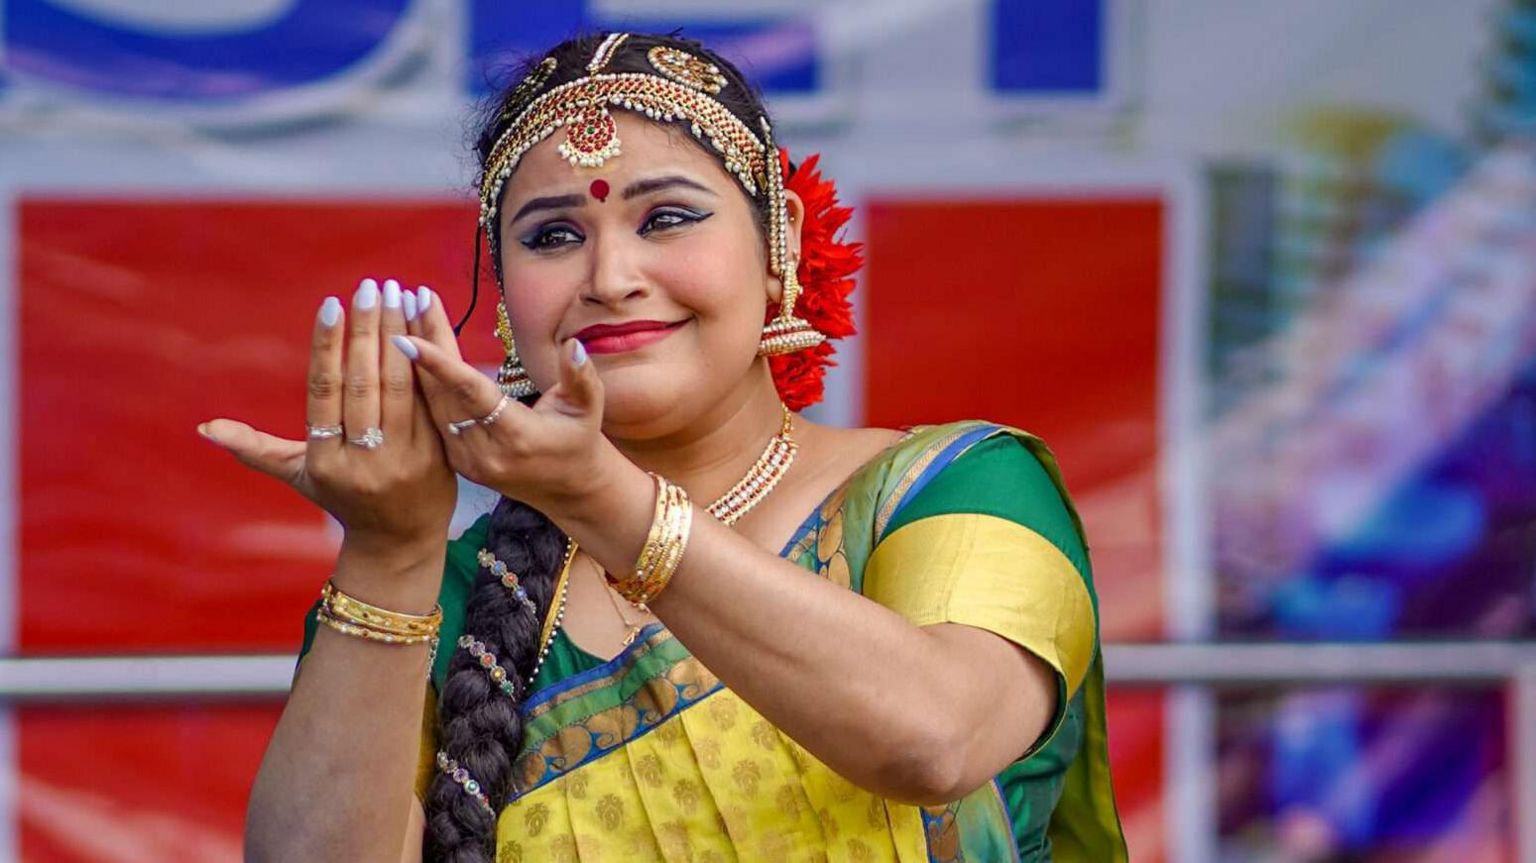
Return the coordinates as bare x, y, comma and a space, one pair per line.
551, 237
671, 218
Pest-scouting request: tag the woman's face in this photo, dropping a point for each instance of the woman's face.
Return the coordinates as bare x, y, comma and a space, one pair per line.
654, 261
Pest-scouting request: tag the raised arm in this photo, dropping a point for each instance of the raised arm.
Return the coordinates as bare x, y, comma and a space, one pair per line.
921, 712
336, 781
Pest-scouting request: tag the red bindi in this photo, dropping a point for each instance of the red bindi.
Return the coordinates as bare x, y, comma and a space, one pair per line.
600, 190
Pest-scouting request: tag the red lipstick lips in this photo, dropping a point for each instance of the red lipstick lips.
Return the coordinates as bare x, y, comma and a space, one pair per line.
628, 336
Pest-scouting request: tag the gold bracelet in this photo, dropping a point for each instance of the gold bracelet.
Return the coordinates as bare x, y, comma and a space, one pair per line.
652, 554
351, 610
671, 524
368, 634
679, 526
645, 563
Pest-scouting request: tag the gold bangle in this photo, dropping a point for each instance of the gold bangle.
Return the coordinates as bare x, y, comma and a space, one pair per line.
652, 554
351, 610
645, 562
368, 634
671, 524
679, 525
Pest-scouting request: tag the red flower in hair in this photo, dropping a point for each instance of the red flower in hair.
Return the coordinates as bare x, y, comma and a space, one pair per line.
827, 265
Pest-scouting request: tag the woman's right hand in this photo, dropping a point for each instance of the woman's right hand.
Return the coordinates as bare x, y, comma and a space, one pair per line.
393, 499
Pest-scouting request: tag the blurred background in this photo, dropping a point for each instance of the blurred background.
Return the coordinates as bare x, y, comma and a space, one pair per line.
1264, 274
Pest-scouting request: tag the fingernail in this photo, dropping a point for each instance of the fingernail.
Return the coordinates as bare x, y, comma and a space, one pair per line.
410, 305
405, 347
206, 431
579, 354
423, 299
330, 311
367, 294
391, 294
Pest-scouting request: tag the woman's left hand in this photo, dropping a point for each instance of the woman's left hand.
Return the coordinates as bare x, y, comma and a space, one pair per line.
548, 456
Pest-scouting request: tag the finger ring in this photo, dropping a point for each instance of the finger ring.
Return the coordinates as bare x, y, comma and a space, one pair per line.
458, 426
372, 438
496, 411
323, 432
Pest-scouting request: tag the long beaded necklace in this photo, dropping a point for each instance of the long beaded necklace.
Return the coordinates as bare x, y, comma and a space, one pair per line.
552, 624
760, 480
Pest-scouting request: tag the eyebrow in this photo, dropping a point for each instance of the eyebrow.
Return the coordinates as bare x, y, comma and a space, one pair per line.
656, 184
634, 190
558, 202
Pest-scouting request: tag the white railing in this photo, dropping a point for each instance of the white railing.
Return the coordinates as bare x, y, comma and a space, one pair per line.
1211, 664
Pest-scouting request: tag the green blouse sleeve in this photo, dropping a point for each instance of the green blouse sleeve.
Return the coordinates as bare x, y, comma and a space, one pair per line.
999, 477
990, 542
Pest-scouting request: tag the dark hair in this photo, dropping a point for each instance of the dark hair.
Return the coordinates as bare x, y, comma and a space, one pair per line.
478, 725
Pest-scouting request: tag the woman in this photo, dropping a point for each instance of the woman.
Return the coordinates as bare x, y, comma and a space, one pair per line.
873, 645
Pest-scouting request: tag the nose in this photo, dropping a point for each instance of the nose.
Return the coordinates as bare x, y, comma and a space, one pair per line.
616, 274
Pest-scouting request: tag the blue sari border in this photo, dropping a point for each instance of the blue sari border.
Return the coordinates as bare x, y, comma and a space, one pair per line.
552, 772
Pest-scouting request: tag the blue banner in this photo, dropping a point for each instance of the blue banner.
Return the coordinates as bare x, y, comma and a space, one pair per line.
1047, 47
313, 41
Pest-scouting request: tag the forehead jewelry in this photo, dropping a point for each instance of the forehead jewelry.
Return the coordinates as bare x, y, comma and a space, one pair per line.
530, 85
605, 51
680, 90
599, 190
684, 68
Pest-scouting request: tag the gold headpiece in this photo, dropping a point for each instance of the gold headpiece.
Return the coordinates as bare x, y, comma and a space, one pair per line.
682, 89
684, 68
523, 94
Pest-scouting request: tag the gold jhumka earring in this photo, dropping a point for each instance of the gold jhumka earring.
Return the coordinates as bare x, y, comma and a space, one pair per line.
512, 378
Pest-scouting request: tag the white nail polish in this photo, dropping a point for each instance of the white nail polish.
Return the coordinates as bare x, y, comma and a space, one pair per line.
409, 299
330, 311
423, 299
579, 355
405, 347
367, 295
391, 294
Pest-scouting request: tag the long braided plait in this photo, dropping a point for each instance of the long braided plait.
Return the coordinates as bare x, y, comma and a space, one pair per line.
479, 726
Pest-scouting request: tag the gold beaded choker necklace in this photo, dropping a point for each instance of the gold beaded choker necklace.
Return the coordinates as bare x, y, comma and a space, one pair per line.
761, 478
